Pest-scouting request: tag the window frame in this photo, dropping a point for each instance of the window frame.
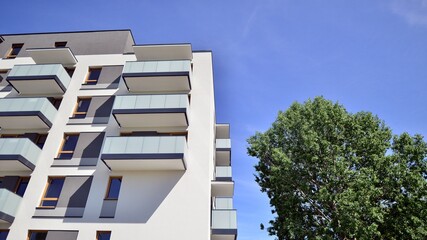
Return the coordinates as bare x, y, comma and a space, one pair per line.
100, 232
79, 99
92, 81
18, 183
30, 232
63, 144
44, 198
110, 180
9, 54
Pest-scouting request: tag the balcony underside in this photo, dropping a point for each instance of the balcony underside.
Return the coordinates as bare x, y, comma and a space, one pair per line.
37, 86
15, 162
224, 234
151, 117
24, 120
223, 158
140, 162
158, 82
6, 218
222, 188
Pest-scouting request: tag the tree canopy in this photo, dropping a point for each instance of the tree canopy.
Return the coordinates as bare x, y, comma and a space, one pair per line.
331, 174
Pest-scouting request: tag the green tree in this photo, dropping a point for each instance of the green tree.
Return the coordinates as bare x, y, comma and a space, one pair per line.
331, 174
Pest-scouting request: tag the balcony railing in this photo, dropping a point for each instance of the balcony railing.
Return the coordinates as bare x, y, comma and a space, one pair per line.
157, 76
224, 222
26, 113
151, 110
18, 154
39, 79
9, 203
145, 153
223, 173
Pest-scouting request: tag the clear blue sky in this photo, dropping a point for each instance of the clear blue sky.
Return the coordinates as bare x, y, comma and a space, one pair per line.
367, 54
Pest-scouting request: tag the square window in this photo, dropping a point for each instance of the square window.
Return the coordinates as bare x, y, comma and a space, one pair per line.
93, 76
3, 234
68, 145
37, 235
81, 108
13, 52
56, 102
52, 192
21, 186
40, 140
103, 235
60, 44
113, 189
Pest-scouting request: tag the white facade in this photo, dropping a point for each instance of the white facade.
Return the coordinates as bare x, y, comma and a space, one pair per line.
154, 203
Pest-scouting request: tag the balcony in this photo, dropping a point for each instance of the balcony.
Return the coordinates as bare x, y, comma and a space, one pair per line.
62, 55
223, 185
18, 154
39, 79
150, 52
26, 113
223, 152
157, 76
151, 110
145, 153
9, 203
224, 224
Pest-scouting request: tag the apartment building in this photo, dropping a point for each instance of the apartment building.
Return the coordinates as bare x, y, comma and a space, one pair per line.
101, 138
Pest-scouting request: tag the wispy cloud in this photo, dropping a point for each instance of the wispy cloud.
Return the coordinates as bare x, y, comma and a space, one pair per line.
413, 11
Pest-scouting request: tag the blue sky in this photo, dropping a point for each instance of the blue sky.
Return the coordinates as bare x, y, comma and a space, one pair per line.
370, 55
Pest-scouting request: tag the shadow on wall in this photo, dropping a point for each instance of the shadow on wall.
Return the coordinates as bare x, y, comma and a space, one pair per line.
141, 195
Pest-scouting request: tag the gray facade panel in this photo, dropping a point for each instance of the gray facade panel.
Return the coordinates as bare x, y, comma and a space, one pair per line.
62, 235
75, 192
100, 107
89, 145
80, 43
110, 75
108, 209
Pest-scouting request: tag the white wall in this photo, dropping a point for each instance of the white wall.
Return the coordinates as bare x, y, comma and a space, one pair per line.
151, 205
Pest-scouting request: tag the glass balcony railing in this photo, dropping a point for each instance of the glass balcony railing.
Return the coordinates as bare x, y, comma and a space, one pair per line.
159, 67
223, 144
157, 76
224, 219
26, 113
9, 203
39, 78
223, 203
22, 151
223, 173
151, 110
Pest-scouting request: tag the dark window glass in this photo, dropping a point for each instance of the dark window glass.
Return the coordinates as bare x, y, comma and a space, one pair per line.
1, 181
103, 235
3, 234
41, 139
70, 71
93, 76
38, 235
60, 44
114, 188
56, 102
16, 48
67, 151
53, 191
82, 107
22, 186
